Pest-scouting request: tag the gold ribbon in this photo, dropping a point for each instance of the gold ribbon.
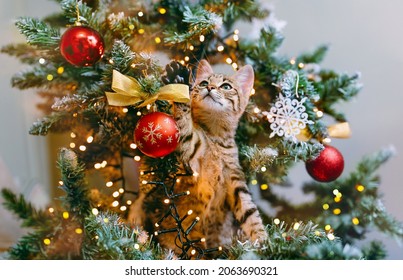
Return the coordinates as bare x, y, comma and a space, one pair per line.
339, 130
128, 91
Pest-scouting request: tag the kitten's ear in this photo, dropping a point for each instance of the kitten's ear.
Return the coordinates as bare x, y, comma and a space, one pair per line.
245, 78
204, 71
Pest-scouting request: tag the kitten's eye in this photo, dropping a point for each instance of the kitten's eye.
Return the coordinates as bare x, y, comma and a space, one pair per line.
203, 83
226, 86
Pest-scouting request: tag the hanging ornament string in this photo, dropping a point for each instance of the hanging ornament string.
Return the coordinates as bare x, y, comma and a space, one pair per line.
339, 130
77, 23
128, 91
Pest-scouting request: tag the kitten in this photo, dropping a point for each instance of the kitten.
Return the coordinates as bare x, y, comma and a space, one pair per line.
219, 194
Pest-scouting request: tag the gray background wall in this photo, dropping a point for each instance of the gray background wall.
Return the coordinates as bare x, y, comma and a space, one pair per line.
363, 35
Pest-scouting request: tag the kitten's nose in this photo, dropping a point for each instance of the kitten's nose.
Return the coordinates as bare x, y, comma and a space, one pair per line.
210, 88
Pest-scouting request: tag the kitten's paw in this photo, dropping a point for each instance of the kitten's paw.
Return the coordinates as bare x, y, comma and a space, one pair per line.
182, 107
255, 236
259, 235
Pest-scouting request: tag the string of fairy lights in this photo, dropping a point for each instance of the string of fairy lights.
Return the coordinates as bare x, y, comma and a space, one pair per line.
226, 47
190, 248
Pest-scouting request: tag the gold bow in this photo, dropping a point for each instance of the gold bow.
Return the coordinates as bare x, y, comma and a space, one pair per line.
128, 91
338, 130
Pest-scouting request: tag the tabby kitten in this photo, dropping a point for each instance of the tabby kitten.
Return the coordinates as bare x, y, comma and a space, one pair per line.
219, 195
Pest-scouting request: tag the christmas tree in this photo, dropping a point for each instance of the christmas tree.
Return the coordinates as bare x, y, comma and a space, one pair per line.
103, 67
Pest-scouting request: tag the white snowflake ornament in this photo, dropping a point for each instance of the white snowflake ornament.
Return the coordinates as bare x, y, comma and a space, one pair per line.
288, 117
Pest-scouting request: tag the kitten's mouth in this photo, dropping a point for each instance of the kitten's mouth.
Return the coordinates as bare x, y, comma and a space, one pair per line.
213, 98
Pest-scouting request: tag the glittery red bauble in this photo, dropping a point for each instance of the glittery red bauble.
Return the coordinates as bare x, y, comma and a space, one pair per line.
81, 46
328, 166
156, 134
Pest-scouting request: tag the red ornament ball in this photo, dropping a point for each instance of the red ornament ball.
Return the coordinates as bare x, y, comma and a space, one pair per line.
327, 167
156, 134
81, 46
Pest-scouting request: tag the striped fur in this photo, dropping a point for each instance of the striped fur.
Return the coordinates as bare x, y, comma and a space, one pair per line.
219, 195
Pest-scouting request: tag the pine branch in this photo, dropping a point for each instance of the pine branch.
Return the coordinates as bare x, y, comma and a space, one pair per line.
27, 248
25, 53
115, 240
199, 22
292, 242
371, 163
375, 251
70, 103
124, 27
71, 111
374, 212
268, 66
31, 217
55, 122
30, 79
70, 7
300, 151
47, 76
334, 88
316, 56
163, 168
258, 157
74, 184
201, 19
38, 33
130, 63
30, 246
262, 51
122, 56
233, 11
333, 251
